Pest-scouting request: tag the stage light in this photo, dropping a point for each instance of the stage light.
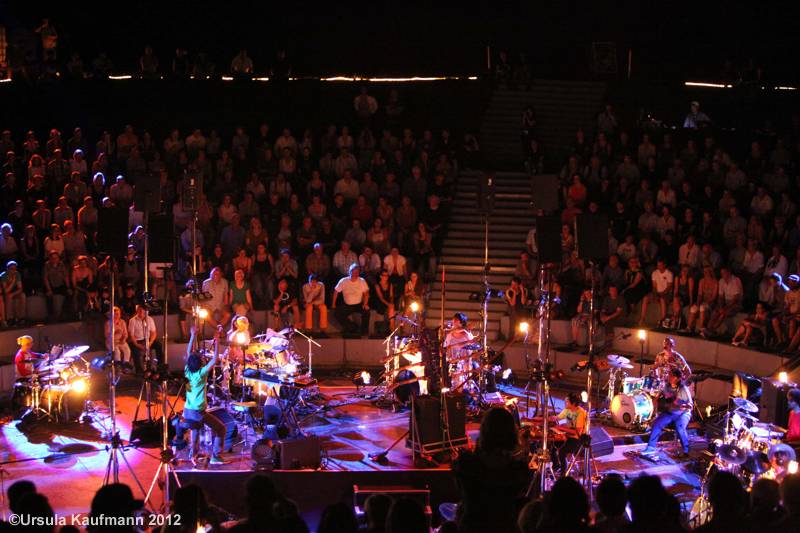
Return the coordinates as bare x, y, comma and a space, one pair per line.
241, 337
414, 307
783, 377
201, 312
708, 410
641, 335
584, 396
524, 327
78, 386
362, 378
792, 468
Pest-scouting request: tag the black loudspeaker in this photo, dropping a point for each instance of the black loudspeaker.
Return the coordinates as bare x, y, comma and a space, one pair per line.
486, 190
161, 238
147, 432
591, 236
112, 231
544, 192
303, 452
773, 406
548, 239
231, 430
147, 194
602, 443
428, 415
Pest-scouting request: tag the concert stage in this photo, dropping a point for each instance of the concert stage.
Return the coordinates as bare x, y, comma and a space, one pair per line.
349, 429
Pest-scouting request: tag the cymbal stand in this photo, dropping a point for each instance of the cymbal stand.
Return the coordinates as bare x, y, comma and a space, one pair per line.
384, 385
588, 460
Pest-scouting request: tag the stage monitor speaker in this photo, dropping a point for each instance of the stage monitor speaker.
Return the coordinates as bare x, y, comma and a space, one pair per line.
231, 428
591, 236
161, 238
602, 443
486, 191
428, 415
303, 452
548, 239
545, 193
112, 231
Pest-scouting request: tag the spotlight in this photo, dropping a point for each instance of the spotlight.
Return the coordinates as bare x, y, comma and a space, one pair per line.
78, 386
783, 377
414, 307
263, 455
792, 468
506, 377
241, 338
641, 335
584, 396
201, 312
524, 327
362, 378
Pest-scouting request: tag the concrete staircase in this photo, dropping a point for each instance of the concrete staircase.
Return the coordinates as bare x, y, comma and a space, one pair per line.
463, 248
561, 108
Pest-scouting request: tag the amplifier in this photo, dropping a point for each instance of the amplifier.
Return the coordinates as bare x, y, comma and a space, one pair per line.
302, 452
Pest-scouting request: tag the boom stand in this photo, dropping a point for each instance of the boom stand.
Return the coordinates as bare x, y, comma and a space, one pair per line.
115, 447
311, 344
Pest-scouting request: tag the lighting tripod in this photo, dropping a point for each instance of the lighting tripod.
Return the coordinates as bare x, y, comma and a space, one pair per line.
545, 476
115, 448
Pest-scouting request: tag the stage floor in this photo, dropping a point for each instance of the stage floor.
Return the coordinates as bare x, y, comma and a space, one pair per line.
68, 461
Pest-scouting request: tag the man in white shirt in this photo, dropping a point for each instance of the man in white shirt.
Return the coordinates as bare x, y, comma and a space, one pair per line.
354, 292
142, 333
730, 300
662, 281
217, 286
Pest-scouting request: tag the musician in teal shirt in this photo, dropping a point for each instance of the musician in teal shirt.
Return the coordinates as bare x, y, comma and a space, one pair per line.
195, 407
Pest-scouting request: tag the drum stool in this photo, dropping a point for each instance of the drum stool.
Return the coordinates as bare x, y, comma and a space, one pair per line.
245, 410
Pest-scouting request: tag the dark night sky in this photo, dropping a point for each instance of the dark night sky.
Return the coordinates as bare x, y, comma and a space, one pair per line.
401, 37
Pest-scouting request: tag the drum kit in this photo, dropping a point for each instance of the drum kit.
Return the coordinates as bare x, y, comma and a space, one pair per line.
58, 387
631, 400
403, 370
269, 353
748, 448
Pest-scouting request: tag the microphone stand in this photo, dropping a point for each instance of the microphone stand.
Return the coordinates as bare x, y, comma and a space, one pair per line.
311, 344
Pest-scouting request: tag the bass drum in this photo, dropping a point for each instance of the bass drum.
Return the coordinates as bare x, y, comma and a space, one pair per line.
406, 385
628, 410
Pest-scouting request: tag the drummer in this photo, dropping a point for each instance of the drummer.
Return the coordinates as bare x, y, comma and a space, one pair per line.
24, 360
238, 338
458, 337
793, 430
668, 359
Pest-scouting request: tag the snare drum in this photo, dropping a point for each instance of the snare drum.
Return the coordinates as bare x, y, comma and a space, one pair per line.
651, 382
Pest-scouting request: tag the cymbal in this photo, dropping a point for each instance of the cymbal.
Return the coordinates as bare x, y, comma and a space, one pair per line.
615, 360
745, 405
286, 331
756, 462
461, 343
764, 431
782, 448
732, 454
618, 365
75, 351
460, 358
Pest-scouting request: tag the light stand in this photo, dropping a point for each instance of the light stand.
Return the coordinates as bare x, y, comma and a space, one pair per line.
115, 447
587, 437
166, 457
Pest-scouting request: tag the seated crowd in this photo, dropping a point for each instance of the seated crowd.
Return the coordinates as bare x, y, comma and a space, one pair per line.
280, 221
698, 233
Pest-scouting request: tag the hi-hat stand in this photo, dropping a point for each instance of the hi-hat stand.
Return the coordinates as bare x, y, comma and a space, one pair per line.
586, 438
